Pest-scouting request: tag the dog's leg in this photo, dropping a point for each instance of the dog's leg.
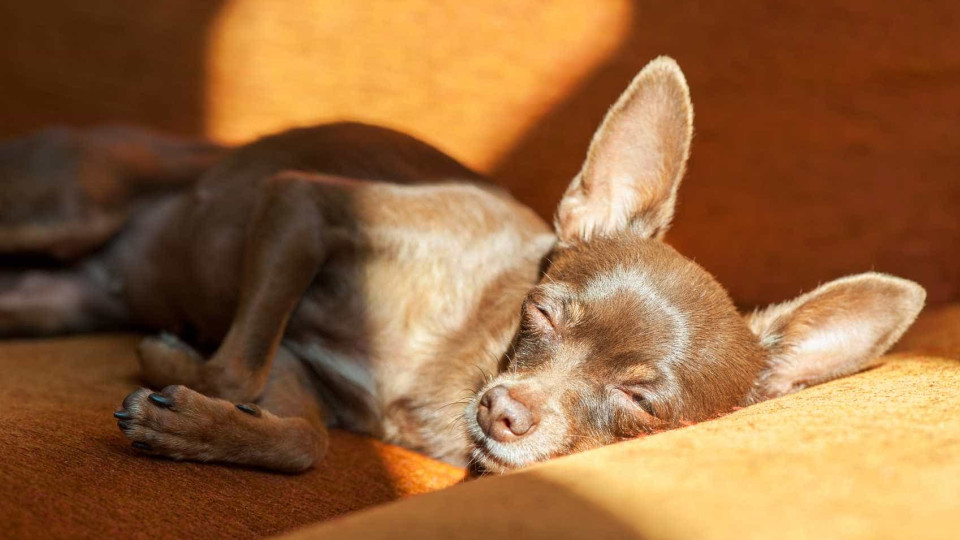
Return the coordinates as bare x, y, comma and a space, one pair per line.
284, 431
66, 192
50, 302
283, 251
166, 360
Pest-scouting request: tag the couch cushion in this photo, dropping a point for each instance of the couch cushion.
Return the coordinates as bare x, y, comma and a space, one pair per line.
876, 455
66, 471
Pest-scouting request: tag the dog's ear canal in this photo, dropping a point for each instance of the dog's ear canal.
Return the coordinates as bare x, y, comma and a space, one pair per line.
838, 329
635, 162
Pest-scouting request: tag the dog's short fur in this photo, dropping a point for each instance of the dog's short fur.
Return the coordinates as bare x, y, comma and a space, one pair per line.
352, 276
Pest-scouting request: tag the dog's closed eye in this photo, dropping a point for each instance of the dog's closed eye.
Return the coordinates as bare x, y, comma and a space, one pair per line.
540, 317
639, 399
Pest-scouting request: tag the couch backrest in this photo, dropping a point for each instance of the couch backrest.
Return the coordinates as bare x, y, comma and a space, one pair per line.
828, 138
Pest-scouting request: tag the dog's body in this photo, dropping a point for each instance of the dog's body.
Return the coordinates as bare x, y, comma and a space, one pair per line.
418, 286
353, 276
417, 294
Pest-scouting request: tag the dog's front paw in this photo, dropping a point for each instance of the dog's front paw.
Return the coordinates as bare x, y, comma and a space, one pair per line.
180, 423
176, 422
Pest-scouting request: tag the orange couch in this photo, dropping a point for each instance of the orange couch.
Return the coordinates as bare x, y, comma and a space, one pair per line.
826, 143
67, 472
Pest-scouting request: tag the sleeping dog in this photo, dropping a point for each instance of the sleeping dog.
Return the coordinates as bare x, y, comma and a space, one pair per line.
352, 276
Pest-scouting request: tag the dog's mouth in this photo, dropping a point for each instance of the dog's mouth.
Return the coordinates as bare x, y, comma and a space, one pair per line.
490, 456
482, 461
486, 457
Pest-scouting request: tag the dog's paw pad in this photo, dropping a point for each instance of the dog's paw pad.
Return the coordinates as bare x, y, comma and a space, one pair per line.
170, 422
179, 423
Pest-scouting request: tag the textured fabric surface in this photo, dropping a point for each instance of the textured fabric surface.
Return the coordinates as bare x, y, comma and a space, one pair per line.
66, 471
936, 332
874, 456
826, 143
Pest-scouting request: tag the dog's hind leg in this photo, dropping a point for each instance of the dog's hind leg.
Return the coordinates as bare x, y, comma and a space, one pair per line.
45, 302
284, 249
166, 360
66, 192
285, 430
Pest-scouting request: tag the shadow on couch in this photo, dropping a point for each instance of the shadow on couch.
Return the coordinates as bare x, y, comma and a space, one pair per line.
68, 472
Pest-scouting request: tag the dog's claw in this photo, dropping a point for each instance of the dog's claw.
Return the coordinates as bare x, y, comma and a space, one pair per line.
141, 445
252, 410
122, 415
123, 425
161, 401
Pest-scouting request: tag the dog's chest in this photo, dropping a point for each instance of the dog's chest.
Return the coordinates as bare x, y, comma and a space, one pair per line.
388, 324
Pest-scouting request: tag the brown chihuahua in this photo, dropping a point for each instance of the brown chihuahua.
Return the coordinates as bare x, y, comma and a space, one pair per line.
351, 276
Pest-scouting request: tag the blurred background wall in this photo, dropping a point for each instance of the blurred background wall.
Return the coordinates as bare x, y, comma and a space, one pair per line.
827, 133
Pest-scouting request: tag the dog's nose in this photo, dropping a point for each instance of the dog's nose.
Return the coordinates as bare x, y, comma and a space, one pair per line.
502, 417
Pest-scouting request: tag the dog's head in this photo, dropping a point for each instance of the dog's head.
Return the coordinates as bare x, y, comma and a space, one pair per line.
624, 336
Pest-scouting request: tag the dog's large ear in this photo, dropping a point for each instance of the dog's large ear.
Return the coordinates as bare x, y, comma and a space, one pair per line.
635, 161
838, 329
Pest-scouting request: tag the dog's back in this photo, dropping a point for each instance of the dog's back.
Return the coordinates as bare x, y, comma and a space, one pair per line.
178, 260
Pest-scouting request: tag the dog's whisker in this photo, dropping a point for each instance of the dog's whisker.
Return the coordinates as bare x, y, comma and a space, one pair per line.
458, 402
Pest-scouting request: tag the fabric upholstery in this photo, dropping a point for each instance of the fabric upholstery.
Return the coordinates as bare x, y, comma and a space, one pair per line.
877, 453
67, 472
873, 456
826, 133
